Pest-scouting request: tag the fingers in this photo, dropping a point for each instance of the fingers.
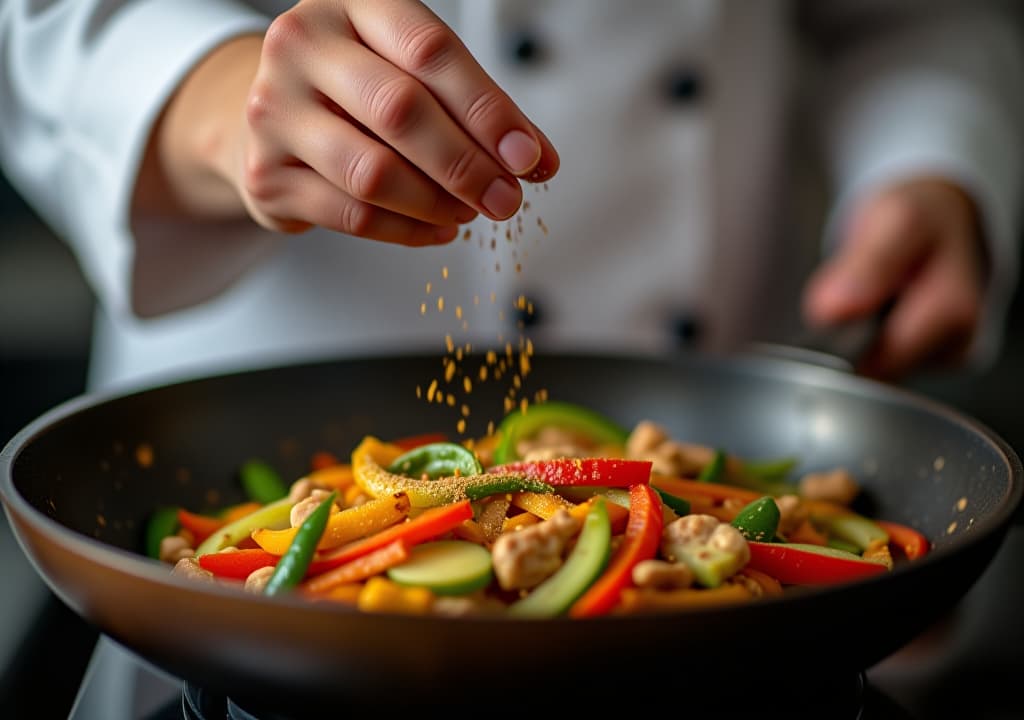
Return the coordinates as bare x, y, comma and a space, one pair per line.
915, 249
371, 172
934, 321
883, 246
295, 197
414, 40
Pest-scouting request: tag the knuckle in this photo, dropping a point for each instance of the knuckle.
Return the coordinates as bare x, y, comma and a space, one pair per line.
426, 47
367, 174
356, 218
459, 172
259, 105
286, 33
484, 106
257, 179
394, 104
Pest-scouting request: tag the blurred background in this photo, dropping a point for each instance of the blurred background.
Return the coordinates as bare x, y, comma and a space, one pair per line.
45, 314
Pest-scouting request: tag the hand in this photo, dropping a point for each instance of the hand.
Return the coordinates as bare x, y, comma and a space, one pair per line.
916, 247
368, 118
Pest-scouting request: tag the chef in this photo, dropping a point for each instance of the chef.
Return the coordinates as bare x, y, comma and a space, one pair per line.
254, 182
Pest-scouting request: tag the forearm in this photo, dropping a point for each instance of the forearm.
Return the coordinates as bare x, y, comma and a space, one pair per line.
191, 163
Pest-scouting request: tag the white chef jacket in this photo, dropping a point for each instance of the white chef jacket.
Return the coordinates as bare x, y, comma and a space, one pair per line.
705, 167
689, 202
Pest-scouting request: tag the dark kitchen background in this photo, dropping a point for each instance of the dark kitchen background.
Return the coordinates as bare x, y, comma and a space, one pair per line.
45, 312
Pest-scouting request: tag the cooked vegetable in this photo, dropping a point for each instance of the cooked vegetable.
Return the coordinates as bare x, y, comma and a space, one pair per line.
445, 567
585, 563
592, 426
610, 472
292, 566
261, 482
758, 520
162, 522
643, 533
798, 564
436, 460
713, 550
423, 525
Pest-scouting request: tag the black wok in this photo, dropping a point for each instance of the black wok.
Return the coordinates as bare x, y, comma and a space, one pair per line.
77, 498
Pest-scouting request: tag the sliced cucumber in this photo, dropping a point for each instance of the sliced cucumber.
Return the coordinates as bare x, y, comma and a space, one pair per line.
446, 567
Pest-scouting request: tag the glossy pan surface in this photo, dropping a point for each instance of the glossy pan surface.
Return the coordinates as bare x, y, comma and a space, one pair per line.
79, 482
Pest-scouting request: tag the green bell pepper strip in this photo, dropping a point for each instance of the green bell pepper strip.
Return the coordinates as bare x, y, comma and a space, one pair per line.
274, 516
854, 529
839, 544
680, 505
436, 460
292, 566
162, 523
584, 565
519, 425
507, 484
758, 520
261, 482
713, 471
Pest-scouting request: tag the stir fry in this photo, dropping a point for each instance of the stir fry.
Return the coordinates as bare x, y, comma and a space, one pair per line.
559, 512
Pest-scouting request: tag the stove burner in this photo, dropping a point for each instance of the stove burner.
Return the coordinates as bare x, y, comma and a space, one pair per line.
852, 699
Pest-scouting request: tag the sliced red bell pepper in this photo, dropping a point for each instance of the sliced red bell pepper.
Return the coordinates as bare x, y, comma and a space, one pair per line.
425, 526
606, 472
643, 535
798, 564
237, 565
411, 442
910, 541
322, 459
201, 526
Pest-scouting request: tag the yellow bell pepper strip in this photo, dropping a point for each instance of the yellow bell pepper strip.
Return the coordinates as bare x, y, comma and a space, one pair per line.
162, 523
758, 520
585, 563
261, 482
543, 505
237, 564
913, 544
425, 526
292, 566
338, 475
601, 471
382, 595
370, 457
643, 535
797, 564
583, 421
342, 527
361, 568
275, 515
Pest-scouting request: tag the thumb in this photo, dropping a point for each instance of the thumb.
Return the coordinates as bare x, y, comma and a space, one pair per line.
881, 247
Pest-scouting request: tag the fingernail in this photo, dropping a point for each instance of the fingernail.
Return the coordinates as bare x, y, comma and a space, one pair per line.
519, 151
501, 199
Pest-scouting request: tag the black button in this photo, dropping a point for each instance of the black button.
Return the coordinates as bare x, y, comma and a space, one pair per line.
683, 86
527, 312
524, 48
687, 329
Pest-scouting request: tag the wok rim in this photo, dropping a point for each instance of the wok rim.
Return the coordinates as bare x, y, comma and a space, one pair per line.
802, 373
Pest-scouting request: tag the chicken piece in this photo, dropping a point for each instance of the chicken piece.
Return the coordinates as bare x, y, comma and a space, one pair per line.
713, 550
258, 579
524, 558
791, 513
662, 575
834, 485
304, 508
174, 548
190, 568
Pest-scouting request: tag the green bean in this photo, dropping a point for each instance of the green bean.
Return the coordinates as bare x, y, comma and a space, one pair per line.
163, 522
507, 485
292, 566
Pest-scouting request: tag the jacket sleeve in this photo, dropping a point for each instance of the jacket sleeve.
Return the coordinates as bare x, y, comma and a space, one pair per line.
930, 87
84, 82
